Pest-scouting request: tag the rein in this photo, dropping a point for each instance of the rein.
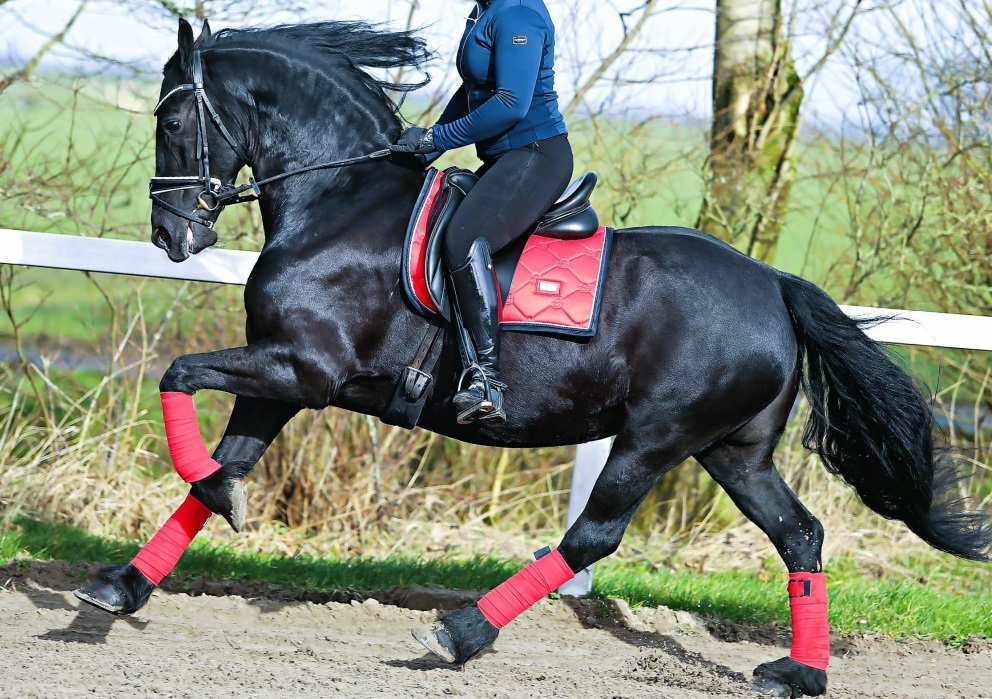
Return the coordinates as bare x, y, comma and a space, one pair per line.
215, 195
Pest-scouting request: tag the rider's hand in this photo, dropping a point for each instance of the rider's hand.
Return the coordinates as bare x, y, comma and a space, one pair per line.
415, 140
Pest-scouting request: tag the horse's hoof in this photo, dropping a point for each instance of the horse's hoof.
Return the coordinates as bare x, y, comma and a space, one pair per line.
767, 687
239, 506
435, 638
120, 590
227, 497
459, 636
786, 677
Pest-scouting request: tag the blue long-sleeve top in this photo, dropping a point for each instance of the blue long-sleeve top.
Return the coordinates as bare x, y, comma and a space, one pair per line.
507, 99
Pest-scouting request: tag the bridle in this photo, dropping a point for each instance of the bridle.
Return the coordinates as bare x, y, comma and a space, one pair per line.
215, 195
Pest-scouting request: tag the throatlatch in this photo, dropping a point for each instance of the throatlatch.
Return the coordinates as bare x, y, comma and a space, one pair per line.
504, 603
810, 628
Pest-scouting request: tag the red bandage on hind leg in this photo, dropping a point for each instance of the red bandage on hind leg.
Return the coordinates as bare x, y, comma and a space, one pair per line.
505, 603
160, 555
810, 629
189, 454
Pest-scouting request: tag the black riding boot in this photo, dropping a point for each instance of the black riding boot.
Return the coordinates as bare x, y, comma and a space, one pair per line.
477, 300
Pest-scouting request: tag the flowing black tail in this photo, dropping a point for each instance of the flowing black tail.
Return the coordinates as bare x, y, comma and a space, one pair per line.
872, 426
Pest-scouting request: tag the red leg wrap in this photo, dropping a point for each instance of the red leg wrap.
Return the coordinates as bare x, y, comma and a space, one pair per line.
505, 603
189, 454
810, 629
160, 555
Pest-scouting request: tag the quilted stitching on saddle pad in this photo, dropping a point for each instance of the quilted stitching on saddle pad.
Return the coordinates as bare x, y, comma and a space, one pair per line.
557, 286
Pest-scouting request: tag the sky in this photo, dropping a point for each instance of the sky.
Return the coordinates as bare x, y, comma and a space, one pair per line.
673, 82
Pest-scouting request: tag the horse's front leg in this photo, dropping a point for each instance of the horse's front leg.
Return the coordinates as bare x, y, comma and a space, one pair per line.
254, 424
269, 391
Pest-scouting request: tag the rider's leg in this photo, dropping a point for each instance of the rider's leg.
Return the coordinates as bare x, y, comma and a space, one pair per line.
514, 191
477, 302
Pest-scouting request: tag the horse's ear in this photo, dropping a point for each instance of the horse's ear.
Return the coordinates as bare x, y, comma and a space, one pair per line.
185, 45
204, 34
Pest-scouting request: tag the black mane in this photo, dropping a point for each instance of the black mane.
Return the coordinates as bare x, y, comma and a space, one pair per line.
361, 44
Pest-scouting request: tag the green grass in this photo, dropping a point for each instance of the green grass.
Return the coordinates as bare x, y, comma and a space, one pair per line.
952, 610
42, 540
77, 309
930, 596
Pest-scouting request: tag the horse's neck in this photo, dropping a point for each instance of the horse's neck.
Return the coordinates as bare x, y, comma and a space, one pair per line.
338, 258
356, 205
361, 214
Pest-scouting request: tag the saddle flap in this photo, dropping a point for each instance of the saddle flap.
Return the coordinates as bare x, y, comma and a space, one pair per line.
455, 185
414, 267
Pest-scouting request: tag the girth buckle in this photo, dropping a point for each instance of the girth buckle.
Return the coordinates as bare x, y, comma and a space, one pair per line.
416, 383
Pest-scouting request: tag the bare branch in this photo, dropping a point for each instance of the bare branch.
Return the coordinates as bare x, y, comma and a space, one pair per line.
621, 48
25, 72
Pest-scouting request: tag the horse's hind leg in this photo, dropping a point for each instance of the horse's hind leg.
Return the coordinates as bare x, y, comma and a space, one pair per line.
635, 464
254, 424
742, 464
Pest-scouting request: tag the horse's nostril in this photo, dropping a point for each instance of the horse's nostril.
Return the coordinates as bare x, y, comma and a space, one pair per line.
161, 237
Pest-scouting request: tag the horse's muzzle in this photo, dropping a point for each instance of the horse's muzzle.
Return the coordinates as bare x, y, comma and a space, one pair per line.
178, 237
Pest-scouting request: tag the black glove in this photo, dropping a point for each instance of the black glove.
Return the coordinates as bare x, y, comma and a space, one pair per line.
415, 140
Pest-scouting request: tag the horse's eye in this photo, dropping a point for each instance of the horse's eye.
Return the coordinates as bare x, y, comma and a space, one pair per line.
173, 125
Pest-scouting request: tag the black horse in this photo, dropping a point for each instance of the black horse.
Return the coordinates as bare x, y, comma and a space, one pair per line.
700, 350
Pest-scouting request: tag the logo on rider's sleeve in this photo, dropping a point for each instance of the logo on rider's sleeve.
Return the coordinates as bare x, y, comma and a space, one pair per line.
519, 40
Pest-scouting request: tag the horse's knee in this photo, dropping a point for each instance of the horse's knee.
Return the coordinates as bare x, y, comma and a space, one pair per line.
587, 542
177, 378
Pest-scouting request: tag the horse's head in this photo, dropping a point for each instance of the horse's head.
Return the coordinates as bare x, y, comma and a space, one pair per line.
306, 104
194, 155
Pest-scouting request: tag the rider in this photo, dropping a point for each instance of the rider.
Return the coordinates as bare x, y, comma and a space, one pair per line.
508, 107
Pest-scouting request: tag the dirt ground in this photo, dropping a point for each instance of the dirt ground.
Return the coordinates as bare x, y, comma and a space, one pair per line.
251, 639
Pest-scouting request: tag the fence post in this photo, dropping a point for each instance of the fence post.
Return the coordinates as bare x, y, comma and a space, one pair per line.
590, 459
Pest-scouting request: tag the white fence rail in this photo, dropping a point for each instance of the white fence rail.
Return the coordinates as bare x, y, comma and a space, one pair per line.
142, 259
232, 267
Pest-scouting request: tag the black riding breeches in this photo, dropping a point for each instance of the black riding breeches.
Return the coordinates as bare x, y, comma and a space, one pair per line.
513, 192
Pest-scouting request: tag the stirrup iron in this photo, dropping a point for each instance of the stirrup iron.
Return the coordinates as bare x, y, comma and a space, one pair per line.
490, 408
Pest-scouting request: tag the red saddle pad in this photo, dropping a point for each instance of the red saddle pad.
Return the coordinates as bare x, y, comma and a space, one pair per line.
557, 286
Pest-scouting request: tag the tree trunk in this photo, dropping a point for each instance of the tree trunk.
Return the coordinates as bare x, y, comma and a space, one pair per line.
756, 99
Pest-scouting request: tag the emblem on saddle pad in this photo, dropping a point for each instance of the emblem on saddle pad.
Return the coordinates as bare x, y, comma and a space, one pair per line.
552, 284
547, 287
